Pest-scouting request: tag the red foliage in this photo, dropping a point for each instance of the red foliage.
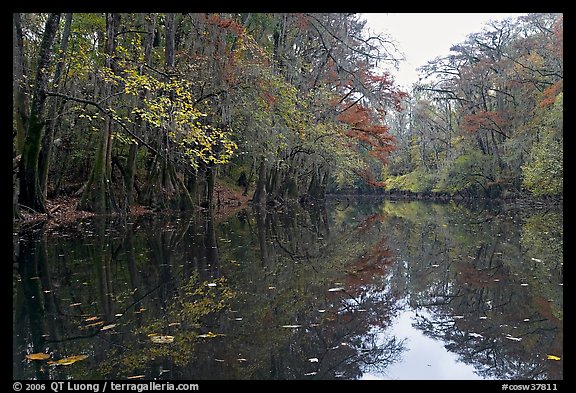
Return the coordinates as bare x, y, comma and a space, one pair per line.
269, 98
368, 178
302, 21
227, 24
482, 120
369, 267
365, 128
549, 95
558, 38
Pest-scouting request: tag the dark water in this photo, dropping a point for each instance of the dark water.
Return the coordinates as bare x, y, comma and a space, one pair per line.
362, 289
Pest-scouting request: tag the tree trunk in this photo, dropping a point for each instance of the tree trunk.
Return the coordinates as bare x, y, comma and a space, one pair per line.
54, 123
30, 191
20, 97
259, 197
97, 196
149, 27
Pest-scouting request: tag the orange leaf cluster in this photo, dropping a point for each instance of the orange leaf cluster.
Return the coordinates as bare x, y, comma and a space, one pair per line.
482, 120
549, 95
365, 129
228, 24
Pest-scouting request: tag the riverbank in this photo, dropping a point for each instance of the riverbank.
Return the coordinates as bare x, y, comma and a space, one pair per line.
62, 211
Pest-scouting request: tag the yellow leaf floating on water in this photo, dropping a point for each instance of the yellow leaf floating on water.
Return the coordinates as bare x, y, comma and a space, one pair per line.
553, 357
38, 356
209, 335
68, 361
161, 339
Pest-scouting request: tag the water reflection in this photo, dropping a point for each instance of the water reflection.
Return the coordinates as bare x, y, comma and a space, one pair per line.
293, 294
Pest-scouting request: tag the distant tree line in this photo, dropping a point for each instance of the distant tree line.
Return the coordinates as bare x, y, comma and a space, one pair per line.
486, 120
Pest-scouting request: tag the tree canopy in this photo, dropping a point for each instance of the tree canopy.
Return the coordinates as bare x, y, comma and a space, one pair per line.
149, 108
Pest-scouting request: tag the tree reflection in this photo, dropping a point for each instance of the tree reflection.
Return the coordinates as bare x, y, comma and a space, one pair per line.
291, 294
485, 300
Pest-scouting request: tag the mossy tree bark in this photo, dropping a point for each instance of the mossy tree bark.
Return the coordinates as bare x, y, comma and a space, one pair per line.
30, 191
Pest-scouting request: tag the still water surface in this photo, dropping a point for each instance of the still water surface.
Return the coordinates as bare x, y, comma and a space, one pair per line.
358, 289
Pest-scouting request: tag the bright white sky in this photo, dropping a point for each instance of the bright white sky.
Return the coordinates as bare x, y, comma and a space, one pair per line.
424, 36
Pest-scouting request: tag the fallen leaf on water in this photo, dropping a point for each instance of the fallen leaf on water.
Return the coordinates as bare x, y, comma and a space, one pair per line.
91, 319
336, 289
38, 356
210, 335
108, 326
313, 360
513, 338
161, 339
553, 357
68, 361
95, 324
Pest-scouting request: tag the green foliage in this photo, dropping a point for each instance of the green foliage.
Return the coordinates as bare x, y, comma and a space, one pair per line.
418, 180
462, 174
543, 174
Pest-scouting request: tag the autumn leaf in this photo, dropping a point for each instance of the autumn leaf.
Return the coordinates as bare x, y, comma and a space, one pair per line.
553, 357
38, 356
68, 361
210, 335
161, 339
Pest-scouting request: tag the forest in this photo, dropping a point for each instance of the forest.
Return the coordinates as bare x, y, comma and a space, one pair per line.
152, 109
